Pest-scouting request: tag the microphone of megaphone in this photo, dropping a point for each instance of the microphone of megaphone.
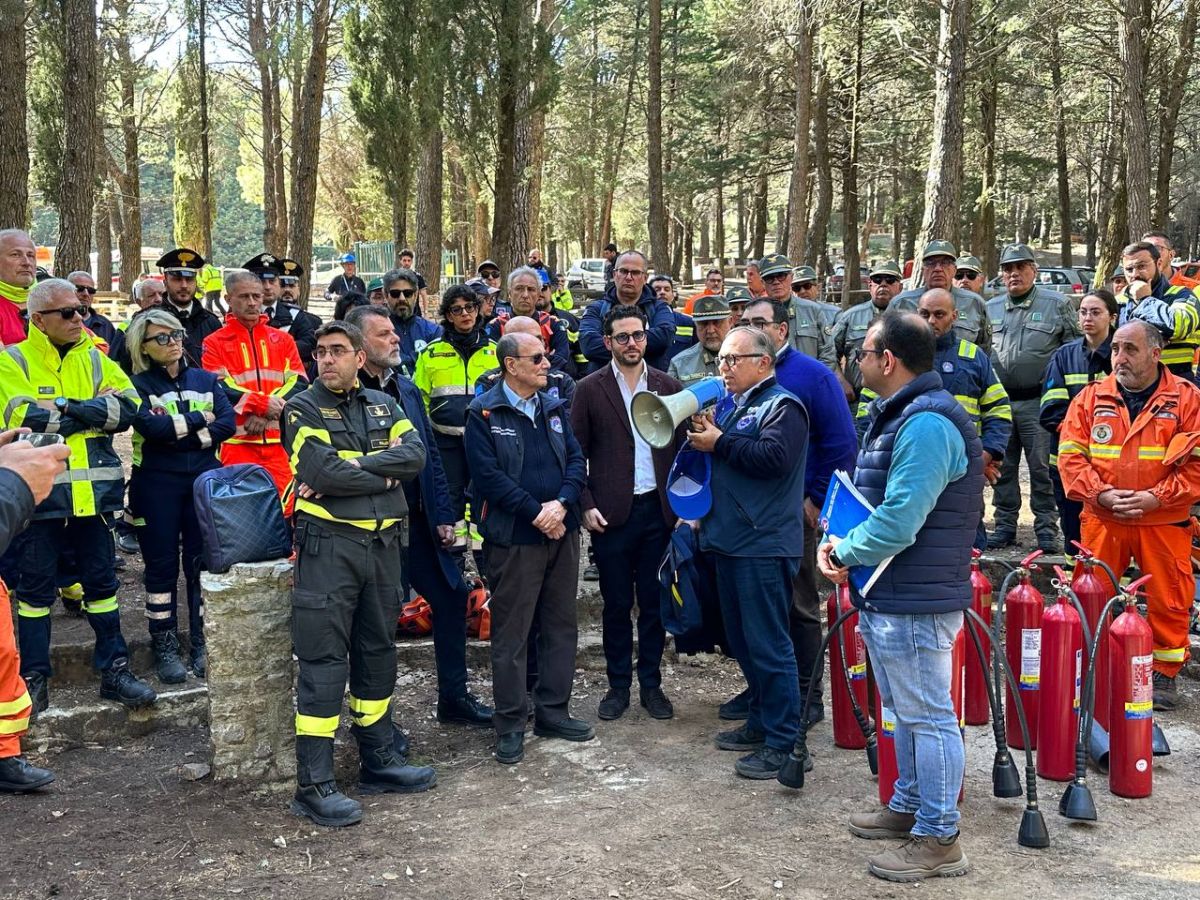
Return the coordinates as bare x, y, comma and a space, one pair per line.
656, 418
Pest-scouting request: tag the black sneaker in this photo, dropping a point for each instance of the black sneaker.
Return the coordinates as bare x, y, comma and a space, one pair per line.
1166, 693
38, 686
119, 684
736, 708
614, 704
740, 739
657, 704
999, 539
127, 543
761, 764
591, 572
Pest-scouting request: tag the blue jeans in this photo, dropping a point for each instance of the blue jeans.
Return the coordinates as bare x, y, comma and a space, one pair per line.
911, 657
756, 594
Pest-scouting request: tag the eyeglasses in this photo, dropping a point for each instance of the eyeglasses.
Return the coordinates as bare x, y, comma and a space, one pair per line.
730, 360
536, 358
760, 324
777, 276
84, 289
802, 285
461, 310
67, 312
489, 274
964, 275
863, 351
336, 352
624, 338
884, 279
938, 262
630, 273
397, 293
166, 337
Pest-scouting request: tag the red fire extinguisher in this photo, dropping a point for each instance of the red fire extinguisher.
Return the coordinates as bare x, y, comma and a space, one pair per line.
885, 730
1022, 617
1131, 699
1061, 681
848, 643
1093, 593
976, 712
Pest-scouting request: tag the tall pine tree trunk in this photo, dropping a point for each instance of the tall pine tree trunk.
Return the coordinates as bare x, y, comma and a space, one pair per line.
14, 137
1060, 150
816, 245
659, 250
429, 210
983, 237
797, 211
77, 193
1134, 23
1170, 100
853, 280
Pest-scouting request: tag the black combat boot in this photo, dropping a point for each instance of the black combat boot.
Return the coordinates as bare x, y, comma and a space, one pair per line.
317, 795
167, 664
382, 771
17, 776
38, 686
199, 655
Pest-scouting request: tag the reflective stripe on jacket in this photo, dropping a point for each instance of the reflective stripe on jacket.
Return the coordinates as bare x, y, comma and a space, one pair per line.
447, 382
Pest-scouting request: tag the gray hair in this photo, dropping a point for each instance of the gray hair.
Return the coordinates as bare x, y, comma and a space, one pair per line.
8, 234
233, 277
135, 335
760, 341
1154, 337
42, 293
638, 253
139, 287
86, 274
391, 276
523, 271
359, 314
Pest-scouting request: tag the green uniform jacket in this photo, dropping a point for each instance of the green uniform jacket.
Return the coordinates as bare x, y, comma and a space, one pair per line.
972, 325
1025, 334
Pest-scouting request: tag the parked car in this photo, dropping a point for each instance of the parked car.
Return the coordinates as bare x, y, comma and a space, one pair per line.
833, 284
586, 275
1065, 281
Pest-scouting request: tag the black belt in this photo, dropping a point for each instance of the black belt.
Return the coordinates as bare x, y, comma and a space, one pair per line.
646, 496
1033, 393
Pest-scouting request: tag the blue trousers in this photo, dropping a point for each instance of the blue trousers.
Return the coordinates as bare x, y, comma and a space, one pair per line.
426, 573
756, 595
164, 501
44, 543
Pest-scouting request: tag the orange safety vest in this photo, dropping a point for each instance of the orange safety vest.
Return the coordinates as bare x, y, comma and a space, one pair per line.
254, 365
1100, 449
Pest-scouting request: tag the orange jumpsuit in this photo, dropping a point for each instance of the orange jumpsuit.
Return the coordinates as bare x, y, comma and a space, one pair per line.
1159, 451
14, 699
255, 366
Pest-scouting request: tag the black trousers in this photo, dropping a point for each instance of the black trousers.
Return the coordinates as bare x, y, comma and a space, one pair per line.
1068, 510
531, 580
804, 616
426, 573
163, 500
345, 604
628, 557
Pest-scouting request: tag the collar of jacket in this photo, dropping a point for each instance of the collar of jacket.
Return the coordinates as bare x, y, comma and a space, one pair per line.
922, 384
231, 319
1168, 383
1159, 286
946, 341
495, 398
1103, 352
40, 345
647, 296
324, 394
1024, 300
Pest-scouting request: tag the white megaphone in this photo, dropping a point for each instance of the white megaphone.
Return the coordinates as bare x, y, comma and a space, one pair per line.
656, 418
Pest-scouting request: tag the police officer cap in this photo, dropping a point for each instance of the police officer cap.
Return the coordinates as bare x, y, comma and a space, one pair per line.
737, 295
939, 248
887, 267
486, 264
264, 264
710, 308
375, 284
774, 264
1014, 253
803, 273
970, 263
181, 261
1118, 272
289, 270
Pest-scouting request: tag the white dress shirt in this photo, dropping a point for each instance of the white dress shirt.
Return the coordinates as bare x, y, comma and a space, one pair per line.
643, 459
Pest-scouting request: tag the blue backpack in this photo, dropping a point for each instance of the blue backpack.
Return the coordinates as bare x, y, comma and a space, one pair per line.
241, 518
689, 606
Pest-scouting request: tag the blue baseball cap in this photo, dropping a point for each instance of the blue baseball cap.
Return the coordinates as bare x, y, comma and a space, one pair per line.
347, 257
688, 485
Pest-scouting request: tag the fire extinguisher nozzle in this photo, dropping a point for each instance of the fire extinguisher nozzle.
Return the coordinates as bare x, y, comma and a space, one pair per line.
1033, 831
873, 754
791, 773
1077, 803
1006, 780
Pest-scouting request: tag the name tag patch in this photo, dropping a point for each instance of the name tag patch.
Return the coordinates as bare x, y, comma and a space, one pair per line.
329, 413
379, 443
45, 390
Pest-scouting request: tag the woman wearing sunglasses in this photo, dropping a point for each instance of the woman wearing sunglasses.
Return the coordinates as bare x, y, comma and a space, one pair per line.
183, 419
446, 374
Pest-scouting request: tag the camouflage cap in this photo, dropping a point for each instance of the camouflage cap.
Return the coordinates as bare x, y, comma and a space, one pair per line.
739, 295
887, 267
1014, 253
773, 264
970, 263
710, 308
803, 273
939, 248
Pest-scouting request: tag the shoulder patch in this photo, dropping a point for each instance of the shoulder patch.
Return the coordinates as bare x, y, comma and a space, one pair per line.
377, 409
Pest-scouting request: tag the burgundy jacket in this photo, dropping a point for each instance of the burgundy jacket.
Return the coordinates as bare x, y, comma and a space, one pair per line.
602, 428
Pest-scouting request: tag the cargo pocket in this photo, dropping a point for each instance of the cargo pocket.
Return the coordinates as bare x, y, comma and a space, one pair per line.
312, 634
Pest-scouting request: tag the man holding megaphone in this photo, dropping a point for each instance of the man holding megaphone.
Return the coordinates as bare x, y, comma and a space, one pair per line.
754, 530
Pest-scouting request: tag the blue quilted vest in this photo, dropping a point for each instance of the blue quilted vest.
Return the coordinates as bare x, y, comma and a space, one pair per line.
933, 575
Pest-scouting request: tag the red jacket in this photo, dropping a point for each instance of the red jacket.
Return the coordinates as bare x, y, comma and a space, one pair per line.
253, 368
12, 325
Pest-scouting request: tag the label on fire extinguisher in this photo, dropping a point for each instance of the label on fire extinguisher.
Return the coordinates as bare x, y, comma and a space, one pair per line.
1140, 704
1078, 679
1031, 658
887, 722
858, 665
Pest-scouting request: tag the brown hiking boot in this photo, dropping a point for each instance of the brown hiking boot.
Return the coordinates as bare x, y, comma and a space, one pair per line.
919, 858
881, 823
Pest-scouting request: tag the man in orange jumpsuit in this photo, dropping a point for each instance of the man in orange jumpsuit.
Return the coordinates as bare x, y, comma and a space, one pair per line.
261, 370
1130, 451
27, 474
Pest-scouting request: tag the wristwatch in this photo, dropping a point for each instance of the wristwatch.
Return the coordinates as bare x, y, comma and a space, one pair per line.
834, 561
61, 404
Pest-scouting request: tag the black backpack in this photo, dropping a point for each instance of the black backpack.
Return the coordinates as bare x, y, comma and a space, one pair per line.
241, 517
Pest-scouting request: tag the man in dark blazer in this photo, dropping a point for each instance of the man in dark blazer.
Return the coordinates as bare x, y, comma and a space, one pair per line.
625, 507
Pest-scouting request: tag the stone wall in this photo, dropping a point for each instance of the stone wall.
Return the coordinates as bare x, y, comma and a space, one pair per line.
247, 617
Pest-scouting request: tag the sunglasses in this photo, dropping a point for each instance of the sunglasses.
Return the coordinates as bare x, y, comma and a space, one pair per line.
397, 293
803, 285
884, 279
67, 312
623, 339
536, 358
964, 274
461, 310
83, 289
489, 274
777, 276
169, 337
